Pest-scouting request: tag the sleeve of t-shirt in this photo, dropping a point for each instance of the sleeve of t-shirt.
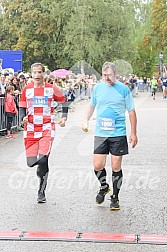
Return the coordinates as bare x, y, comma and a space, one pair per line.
93, 98
58, 95
23, 103
129, 102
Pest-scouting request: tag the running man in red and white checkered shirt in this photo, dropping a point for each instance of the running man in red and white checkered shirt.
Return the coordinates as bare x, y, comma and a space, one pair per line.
37, 112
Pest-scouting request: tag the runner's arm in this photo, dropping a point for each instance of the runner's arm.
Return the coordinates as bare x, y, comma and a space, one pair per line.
59, 97
88, 114
133, 122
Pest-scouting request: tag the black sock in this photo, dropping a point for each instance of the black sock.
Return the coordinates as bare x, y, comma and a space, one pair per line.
42, 172
101, 175
117, 182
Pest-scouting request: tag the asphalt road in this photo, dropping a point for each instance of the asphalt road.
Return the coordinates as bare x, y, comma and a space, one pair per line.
72, 186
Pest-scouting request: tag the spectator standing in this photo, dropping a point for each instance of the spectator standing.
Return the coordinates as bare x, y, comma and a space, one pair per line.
133, 85
164, 85
145, 82
159, 85
2, 84
22, 81
70, 95
10, 109
141, 84
2, 94
148, 85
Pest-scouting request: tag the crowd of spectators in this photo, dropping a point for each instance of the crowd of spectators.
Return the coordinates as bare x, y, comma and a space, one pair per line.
73, 86
146, 84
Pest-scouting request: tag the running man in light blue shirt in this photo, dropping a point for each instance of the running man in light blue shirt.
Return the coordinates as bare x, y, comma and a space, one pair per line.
111, 99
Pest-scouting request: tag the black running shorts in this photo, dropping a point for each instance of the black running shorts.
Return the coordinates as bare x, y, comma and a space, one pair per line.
117, 146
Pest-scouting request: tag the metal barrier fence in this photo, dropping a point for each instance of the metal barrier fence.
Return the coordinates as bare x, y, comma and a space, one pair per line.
3, 123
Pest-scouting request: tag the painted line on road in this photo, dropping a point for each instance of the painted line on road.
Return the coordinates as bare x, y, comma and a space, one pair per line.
152, 239
83, 237
57, 236
11, 235
109, 237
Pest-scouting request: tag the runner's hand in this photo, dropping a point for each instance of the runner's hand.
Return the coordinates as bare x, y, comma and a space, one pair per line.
85, 127
25, 120
133, 140
62, 122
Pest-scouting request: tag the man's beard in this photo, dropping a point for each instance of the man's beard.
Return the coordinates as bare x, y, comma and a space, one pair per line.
111, 82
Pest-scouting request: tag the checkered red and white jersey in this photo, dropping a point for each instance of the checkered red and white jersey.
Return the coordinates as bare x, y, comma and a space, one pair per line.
39, 102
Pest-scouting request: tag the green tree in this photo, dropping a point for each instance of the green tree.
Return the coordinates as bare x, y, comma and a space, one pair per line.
60, 33
159, 23
24, 25
98, 31
144, 57
159, 28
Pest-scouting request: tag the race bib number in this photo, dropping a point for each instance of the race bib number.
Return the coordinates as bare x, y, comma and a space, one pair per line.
40, 101
106, 123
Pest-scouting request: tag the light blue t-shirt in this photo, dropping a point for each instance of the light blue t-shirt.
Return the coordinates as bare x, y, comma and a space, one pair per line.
111, 103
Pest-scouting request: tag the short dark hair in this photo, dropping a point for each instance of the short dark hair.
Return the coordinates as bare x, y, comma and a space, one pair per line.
21, 76
38, 64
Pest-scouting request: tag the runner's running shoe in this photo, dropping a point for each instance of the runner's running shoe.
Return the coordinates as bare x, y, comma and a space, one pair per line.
41, 197
114, 203
102, 193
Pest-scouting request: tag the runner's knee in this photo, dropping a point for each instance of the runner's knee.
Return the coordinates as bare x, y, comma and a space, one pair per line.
31, 161
98, 164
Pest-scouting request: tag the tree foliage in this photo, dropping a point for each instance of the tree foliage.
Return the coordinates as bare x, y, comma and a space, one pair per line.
159, 23
61, 33
144, 56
